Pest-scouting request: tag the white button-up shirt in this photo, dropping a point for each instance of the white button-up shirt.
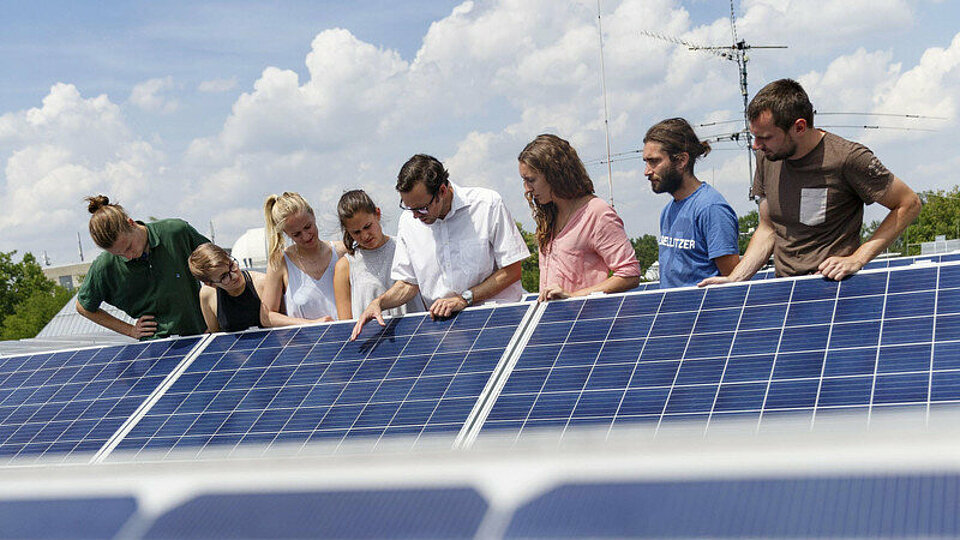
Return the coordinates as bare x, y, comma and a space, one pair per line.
477, 237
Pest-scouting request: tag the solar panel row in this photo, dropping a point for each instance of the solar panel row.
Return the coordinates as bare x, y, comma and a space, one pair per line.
912, 505
417, 376
801, 346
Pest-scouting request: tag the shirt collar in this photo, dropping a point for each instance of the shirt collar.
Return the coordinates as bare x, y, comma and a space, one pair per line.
457, 202
152, 237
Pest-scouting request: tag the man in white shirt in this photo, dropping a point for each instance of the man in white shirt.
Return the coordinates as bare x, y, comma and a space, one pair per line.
456, 246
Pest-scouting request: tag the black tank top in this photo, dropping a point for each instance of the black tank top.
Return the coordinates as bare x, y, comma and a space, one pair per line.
235, 313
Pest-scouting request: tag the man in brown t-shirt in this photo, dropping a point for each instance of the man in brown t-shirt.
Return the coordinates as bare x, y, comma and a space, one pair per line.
811, 188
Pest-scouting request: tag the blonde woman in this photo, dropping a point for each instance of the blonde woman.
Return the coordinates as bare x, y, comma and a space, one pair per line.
301, 275
143, 272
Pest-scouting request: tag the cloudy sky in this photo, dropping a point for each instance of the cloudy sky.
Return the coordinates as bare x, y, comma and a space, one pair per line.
200, 109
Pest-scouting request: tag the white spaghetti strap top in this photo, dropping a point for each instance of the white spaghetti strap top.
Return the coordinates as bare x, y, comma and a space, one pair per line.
309, 298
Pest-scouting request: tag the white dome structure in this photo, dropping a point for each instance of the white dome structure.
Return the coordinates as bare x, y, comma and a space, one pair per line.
250, 250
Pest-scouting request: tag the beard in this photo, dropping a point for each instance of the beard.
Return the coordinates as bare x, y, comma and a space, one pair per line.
784, 152
669, 182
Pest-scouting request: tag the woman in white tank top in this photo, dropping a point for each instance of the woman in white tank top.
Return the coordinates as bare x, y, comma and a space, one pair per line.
302, 274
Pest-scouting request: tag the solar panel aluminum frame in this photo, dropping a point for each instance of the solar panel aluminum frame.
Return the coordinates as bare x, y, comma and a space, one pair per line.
151, 400
471, 428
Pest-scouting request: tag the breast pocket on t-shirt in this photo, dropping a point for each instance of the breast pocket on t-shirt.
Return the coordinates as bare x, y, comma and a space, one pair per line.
813, 206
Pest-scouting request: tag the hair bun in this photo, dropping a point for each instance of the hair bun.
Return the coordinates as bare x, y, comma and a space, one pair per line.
96, 203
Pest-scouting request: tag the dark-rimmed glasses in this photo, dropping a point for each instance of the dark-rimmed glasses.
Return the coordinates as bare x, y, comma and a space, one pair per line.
422, 210
234, 266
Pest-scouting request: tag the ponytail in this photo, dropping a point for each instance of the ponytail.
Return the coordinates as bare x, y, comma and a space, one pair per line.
276, 210
108, 221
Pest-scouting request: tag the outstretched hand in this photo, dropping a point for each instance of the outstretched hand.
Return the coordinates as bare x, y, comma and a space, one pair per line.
372, 311
837, 268
715, 280
552, 292
446, 307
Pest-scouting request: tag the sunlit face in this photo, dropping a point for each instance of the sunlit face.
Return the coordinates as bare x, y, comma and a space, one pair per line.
425, 207
535, 185
302, 229
225, 276
365, 230
664, 175
775, 143
129, 245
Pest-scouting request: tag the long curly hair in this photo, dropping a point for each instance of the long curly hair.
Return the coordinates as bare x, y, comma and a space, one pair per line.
568, 179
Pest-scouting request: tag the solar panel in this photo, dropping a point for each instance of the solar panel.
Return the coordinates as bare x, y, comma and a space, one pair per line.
73, 517
785, 507
70, 403
804, 346
414, 377
644, 286
451, 512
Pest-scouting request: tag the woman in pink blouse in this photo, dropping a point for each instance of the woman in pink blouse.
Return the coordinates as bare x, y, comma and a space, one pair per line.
583, 247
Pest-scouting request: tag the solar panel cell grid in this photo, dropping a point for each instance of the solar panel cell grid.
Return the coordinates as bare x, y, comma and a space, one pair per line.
416, 376
880, 339
70, 403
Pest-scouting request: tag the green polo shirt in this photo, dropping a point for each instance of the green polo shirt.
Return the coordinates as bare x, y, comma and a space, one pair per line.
159, 284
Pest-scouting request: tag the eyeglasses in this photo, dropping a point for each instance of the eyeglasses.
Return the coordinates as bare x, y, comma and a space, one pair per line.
234, 266
422, 210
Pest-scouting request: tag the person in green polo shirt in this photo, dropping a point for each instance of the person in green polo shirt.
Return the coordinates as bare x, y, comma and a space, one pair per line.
144, 273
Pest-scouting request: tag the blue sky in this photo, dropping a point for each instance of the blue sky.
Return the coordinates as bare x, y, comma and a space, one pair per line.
201, 109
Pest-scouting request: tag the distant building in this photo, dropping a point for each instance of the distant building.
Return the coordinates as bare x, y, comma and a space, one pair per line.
939, 245
250, 250
68, 276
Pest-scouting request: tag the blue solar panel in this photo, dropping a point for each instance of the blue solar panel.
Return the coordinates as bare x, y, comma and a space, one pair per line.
644, 286
69, 403
92, 517
895, 506
454, 512
802, 346
415, 376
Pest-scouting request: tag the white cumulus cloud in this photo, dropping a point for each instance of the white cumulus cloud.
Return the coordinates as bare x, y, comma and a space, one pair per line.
151, 95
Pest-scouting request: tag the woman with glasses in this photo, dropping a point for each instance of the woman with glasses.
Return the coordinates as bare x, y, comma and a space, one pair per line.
363, 273
300, 275
583, 246
230, 302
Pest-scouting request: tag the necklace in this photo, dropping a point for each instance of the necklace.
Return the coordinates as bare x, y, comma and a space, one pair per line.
303, 267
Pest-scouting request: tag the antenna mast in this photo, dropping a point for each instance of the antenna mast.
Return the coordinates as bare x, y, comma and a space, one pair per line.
603, 92
737, 52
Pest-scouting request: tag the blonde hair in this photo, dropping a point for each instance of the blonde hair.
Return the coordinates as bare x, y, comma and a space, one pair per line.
276, 210
108, 221
206, 257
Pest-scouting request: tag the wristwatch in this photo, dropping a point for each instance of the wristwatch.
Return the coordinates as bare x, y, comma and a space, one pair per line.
468, 297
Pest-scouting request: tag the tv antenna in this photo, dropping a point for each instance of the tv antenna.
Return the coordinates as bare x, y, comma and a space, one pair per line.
736, 52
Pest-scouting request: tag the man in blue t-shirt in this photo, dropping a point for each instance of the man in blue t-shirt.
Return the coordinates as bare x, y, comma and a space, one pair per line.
698, 229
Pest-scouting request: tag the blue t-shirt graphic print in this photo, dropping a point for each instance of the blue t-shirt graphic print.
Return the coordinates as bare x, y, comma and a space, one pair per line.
693, 232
